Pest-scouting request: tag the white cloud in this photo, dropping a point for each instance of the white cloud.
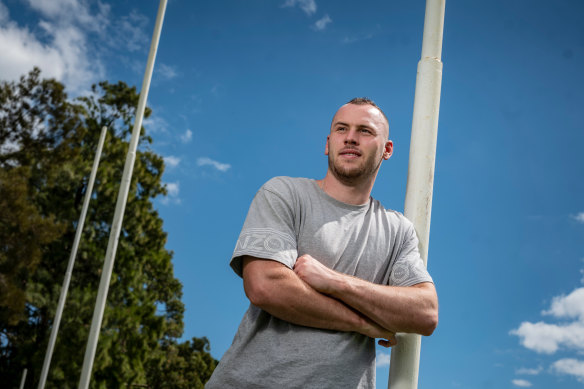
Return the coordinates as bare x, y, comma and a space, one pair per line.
528, 371
155, 124
322, 23
521, 383
223, 167
131, 33
308, 6
21, 51
171, 161
69, 12
173, 189
59, 47
549, 338
570, 366
167, 72
71, 39
356, 38
4, 14
71, 44
570, 306
382, 360
579, 217
187, 136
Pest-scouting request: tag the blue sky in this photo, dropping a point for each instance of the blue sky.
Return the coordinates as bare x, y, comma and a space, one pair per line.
245, 90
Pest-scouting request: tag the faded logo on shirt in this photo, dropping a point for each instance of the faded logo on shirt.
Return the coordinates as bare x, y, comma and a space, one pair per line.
404, 272
263, 240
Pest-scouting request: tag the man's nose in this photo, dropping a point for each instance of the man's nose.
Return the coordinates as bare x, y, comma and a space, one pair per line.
351, 138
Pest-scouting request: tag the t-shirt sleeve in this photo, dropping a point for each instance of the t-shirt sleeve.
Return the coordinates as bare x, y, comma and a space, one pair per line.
268, 231
409, 268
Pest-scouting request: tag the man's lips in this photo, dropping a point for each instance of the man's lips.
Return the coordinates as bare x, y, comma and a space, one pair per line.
350, 153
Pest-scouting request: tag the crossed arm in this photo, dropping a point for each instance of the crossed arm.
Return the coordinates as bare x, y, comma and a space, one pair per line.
316, 296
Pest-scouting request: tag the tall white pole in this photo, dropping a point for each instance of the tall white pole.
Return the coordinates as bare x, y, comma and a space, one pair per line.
405, 357
120, 207
23, 379
65, 287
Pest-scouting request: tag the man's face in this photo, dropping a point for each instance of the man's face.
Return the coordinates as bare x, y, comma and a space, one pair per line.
357, 143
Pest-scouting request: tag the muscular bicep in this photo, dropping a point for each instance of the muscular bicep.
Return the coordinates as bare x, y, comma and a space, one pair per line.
261, 277
429, 302
430, 292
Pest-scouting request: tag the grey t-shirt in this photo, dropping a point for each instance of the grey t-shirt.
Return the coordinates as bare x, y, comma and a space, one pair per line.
290, 217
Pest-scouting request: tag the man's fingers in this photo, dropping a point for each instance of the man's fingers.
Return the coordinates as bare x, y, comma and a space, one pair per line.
387, 342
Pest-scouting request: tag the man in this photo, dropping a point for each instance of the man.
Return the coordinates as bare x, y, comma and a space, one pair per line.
327, 270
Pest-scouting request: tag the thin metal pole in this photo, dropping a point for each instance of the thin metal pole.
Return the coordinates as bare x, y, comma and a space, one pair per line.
405, 357
65, 287
23, 379
120, 207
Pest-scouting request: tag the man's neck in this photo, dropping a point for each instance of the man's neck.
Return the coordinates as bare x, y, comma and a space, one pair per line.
356, 193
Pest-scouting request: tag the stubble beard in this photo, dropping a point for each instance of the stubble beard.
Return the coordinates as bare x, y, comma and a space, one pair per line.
355, 174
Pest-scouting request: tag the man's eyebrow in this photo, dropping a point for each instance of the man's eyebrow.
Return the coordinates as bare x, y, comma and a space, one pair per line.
371, 128
340, 123
367, 127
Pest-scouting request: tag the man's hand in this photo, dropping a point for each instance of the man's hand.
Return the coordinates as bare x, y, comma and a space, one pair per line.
392, 308
315, 274
275, 288
323, 280
374, 330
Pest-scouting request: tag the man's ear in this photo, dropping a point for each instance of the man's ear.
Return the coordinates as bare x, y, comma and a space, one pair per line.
388, 150
326, 146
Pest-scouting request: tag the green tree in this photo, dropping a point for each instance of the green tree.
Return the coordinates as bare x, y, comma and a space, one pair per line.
23, 232
47, 144
181, 366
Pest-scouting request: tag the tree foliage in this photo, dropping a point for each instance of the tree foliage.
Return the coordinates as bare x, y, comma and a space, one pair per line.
47, 145
181, 366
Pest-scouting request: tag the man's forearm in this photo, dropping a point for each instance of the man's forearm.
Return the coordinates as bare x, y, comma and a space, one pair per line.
277, 290
398, 309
